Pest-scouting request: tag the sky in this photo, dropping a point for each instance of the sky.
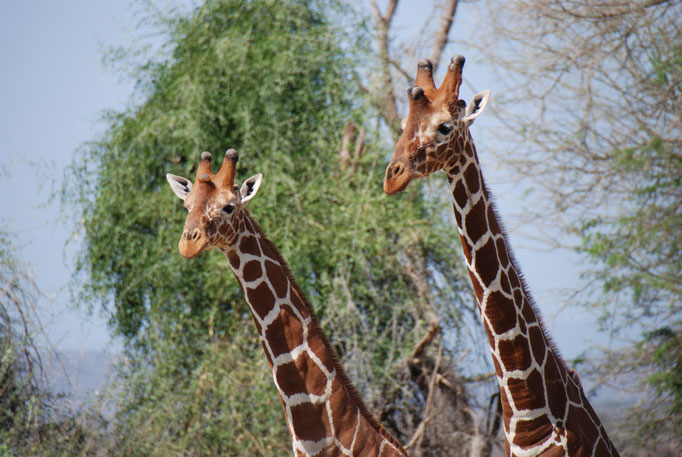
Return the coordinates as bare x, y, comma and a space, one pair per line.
53, 91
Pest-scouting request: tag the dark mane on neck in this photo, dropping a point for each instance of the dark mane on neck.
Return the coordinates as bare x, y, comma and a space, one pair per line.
340, 372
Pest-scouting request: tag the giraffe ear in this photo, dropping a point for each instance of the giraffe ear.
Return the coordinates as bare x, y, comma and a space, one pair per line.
250, 187
476, 106
181, 186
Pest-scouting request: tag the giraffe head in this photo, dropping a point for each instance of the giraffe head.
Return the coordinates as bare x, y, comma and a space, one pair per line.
214, 204
436, 120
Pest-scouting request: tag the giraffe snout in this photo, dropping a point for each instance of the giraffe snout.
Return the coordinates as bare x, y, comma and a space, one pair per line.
396, 171
192, 242
397, 177
191, 235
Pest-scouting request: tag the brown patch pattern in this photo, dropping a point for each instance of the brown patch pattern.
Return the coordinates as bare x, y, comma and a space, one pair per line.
525, 362
325, 415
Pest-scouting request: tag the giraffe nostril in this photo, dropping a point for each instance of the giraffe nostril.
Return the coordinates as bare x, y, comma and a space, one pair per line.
398, 169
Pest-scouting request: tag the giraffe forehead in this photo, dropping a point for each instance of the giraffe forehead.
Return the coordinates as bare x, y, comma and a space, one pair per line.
428, 124
223, 197
439, 116
206, 197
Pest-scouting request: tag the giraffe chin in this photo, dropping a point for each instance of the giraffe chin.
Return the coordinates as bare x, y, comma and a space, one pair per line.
192, 248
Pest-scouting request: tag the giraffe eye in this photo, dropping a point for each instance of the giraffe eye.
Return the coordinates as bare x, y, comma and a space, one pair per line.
228, 208
445, 128
186, 209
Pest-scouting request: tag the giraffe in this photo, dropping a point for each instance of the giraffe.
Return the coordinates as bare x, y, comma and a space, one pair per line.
324, 413
545, 410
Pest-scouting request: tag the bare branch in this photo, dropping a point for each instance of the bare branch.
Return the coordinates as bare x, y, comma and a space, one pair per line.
359, 146
426, 415
401, 70
434, 327
611, 11
480, 377
390, 11
385, 96
348, 136
443, 32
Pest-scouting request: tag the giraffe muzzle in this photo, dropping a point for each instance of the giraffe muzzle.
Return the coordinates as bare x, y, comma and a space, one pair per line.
192, 242
398, 176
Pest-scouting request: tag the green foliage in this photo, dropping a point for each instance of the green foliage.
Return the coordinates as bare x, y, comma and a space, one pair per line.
640, 249
226, 405
667, 357
233, 80
667, 69
277, 81
640, 244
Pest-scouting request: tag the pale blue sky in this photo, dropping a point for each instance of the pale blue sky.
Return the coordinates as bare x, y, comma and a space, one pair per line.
53, 88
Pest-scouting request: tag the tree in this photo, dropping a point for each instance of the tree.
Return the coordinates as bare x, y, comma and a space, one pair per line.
20, 367
32, 422
278, 81
601, 88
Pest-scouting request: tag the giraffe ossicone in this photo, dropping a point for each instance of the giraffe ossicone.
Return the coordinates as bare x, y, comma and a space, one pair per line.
324, 413
545, 410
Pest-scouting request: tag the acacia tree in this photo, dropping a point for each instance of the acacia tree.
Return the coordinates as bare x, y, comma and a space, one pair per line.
601, 87
277, 80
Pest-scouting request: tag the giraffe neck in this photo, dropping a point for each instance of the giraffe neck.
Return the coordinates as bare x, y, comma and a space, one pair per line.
544, 407
324, 413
